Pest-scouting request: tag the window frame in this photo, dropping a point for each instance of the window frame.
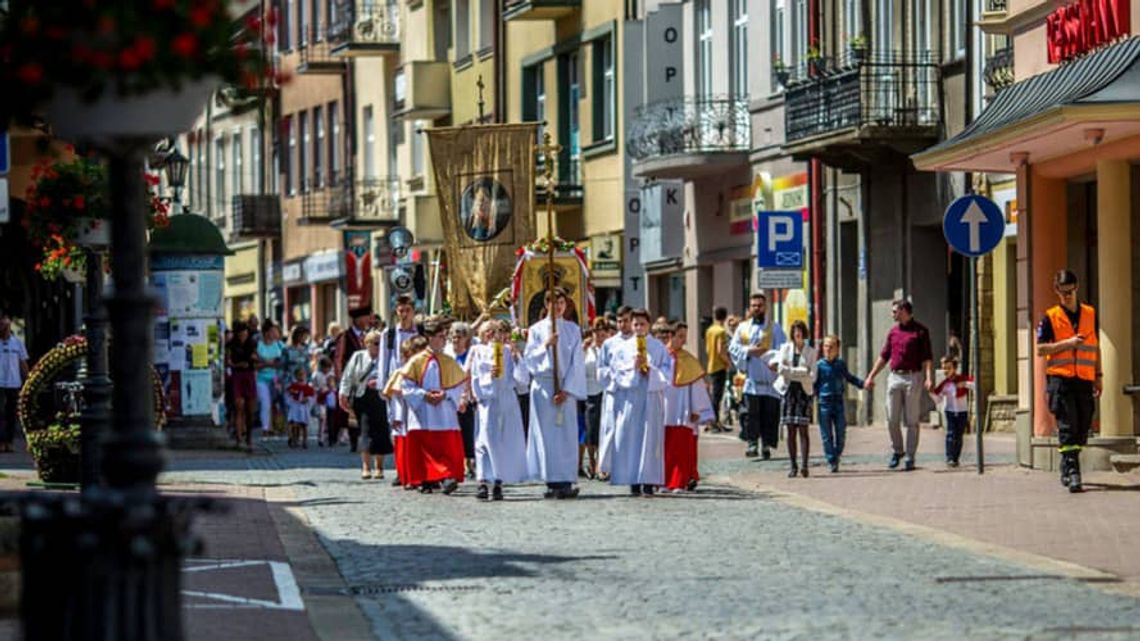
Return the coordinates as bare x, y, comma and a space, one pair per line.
605, 89
220, 174
462, 41
336, 149
237, 178
368, 140
703, 21
739, 44
303, 165
319, 167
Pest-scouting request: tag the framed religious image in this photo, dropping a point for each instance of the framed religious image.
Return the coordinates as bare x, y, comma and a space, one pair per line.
568, 274
485, 209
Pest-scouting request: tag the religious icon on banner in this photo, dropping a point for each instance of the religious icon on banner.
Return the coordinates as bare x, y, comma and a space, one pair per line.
570, 273
485, 209
358, 268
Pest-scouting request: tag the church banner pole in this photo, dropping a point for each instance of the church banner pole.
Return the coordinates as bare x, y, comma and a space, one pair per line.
548, 173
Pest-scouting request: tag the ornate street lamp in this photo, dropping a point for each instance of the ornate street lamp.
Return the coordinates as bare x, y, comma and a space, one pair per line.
175, 166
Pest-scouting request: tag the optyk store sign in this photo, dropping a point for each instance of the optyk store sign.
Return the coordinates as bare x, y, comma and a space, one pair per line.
1084, 25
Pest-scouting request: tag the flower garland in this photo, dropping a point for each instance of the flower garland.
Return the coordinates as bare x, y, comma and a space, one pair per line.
542, 246
129, 48
70, 351
68, 198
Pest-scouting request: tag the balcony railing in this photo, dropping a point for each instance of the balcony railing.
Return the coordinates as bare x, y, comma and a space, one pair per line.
999, 68
375, 200
689, 125
317, 58
995, 6
324, 205
360, 27
256, 216
884, 90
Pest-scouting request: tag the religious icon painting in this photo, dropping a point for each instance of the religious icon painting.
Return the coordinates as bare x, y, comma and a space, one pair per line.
485, 207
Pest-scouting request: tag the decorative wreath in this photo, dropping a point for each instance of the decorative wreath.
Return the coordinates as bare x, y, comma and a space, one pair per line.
72, 350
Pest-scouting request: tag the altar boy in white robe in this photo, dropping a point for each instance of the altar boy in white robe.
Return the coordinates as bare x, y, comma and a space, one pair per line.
552, 442
432, 386
641, 371
687, 406
605, 358
500, 447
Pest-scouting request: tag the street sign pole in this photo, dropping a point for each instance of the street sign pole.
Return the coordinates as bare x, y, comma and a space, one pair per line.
976, 364
973, 226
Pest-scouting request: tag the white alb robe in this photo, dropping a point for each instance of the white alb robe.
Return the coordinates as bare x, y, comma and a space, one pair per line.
639, 413
552, 443
422, 415
681, 402
500, 446
605, 379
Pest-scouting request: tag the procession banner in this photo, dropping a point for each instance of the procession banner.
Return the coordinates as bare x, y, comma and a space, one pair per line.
571, 273
358, 267
484, 176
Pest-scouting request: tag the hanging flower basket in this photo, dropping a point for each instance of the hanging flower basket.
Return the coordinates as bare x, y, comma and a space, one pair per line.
68, 209
139, 68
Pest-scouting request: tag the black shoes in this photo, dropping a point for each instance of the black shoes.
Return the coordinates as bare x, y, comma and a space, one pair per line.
497, 492
795, 471
752, 451
1075, 483
766, 453
896, 458
834, 468
450, 485
397, 482
692, 485
804, 471
482, 493
635, 490
648, 490
909, 467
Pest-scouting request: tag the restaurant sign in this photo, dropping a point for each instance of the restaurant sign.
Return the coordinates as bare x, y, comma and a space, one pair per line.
1079, 27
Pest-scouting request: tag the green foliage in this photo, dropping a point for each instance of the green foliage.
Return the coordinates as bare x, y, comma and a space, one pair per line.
56, 452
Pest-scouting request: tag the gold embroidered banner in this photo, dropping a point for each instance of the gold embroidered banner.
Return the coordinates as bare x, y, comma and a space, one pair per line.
484, 177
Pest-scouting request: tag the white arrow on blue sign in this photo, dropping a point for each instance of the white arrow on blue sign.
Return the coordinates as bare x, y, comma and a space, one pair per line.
973, 225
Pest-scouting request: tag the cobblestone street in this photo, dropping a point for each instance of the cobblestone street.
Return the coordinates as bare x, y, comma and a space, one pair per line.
722, 563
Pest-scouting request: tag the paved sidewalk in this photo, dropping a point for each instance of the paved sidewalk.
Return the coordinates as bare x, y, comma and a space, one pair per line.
1009, 511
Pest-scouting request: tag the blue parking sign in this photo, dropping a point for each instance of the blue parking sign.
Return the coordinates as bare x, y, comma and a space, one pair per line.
780, 240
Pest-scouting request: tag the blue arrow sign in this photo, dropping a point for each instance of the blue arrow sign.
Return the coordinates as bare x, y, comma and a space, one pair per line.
973, 225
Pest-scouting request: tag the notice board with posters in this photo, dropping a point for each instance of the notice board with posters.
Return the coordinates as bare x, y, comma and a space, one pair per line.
189, 333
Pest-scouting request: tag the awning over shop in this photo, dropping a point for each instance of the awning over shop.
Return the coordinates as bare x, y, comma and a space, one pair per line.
1089, 101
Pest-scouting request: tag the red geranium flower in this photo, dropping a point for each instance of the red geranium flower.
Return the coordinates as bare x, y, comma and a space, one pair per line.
185, 45
31, 73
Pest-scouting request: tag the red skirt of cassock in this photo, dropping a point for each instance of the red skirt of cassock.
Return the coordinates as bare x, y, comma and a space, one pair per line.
400, 452
680, 457
431, 456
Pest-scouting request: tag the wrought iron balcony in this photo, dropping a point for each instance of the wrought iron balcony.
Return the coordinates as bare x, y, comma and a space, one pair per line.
690, 136
540, 9
365, 28
255, 216
374, 202
999, 68
323, 205
317, 58
890, 100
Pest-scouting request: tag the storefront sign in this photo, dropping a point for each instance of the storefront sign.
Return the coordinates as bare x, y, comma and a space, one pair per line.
319, 268
605, 256
1084, 25
664, 53
292, 273
358, 267
740, 211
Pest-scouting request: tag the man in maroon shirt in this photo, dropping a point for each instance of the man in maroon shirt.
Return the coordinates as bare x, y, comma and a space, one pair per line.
907, 350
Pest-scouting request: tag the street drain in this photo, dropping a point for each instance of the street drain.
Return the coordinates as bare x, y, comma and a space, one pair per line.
382, 588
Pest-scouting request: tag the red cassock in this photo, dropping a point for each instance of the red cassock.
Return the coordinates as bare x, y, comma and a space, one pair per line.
680, 456
431, 456
400, 452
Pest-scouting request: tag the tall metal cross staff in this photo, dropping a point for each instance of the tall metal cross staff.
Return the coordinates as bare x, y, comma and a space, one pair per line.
549, 151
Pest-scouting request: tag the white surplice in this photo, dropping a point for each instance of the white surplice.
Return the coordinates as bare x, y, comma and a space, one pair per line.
500, 446
682, 401
552, 444
639, 412
605, 379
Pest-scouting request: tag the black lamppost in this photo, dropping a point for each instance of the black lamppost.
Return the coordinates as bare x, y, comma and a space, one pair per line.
175, 166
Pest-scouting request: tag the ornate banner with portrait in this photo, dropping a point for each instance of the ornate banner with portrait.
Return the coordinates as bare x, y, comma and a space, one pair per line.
484, 177
571, 272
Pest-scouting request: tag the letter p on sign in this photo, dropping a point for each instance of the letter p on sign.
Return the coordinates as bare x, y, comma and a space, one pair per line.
780, 230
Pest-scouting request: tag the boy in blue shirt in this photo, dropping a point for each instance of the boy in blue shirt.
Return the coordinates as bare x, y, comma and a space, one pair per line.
831, 381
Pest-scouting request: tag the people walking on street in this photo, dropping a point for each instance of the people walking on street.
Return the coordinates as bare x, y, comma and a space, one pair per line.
458, 347
593, 405
606, 427
907, 351
323, 382
300, 398
392, 354
796, 366
241, 352
398, 410
552, 441
500, 447
639, 373
433, 385
753, 349
719, 362
954, 394
13, 371
687, 406
831, 381
269, 361
296, 353
1067, 340
351, 340
360, 388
